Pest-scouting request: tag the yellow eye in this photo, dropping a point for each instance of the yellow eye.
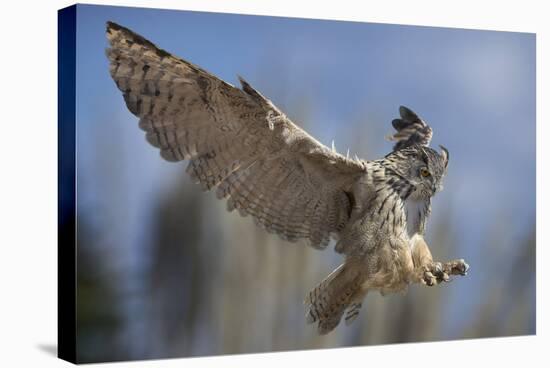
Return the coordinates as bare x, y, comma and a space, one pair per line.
424, 172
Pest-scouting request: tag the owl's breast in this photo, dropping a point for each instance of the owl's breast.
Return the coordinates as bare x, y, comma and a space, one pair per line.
416, 212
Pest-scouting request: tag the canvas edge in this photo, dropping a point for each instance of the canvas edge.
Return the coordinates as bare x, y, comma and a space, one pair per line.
66, 246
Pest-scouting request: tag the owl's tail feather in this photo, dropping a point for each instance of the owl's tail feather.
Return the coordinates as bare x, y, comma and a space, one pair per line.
328, 301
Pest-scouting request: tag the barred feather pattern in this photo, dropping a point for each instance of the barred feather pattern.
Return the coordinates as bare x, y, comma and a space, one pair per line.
411, 130
352, 312
237, 142
328, 301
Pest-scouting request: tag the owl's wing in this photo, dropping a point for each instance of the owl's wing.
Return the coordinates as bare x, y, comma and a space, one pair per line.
411, 130
237, 141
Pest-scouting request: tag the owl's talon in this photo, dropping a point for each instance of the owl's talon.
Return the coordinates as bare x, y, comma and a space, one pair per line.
458, 267
466, 268
429, 279
433, 274
437, 272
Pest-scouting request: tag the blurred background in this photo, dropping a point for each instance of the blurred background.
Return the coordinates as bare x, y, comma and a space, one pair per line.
164, 271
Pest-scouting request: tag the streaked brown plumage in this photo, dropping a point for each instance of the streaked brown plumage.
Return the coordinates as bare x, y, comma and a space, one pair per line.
238, 143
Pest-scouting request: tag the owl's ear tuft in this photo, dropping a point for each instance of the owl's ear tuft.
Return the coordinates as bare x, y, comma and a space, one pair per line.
445, 155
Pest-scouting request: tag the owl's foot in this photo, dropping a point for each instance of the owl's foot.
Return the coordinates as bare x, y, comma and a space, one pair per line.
456, 267
433, 274
437, 272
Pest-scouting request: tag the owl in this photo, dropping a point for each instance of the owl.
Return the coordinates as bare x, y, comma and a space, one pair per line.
238, 143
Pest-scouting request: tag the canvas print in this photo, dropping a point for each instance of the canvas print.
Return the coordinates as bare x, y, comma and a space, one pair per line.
384, 176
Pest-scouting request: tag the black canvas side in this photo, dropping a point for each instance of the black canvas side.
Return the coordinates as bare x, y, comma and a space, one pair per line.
66, 302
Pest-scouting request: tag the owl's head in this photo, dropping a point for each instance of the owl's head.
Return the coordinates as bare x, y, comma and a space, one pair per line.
423, 167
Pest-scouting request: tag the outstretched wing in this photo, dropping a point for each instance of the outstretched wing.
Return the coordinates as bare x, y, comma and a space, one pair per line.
411, 130
237, 141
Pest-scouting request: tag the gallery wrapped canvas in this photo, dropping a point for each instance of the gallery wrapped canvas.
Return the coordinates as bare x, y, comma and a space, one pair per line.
384, 174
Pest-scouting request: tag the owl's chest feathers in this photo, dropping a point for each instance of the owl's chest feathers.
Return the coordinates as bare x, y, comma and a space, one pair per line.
402, 217
399, 215
416, 213
386, 212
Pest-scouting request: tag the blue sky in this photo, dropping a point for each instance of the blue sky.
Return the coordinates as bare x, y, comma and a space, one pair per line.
346, 81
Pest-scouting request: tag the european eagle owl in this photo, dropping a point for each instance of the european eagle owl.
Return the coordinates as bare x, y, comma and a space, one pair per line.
242, 146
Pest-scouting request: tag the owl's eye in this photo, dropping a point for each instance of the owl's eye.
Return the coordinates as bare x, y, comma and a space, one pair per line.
424, 172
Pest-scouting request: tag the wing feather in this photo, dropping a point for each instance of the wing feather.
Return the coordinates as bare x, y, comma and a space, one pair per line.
237, 142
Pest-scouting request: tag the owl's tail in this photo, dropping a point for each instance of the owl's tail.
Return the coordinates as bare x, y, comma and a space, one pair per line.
328, 301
